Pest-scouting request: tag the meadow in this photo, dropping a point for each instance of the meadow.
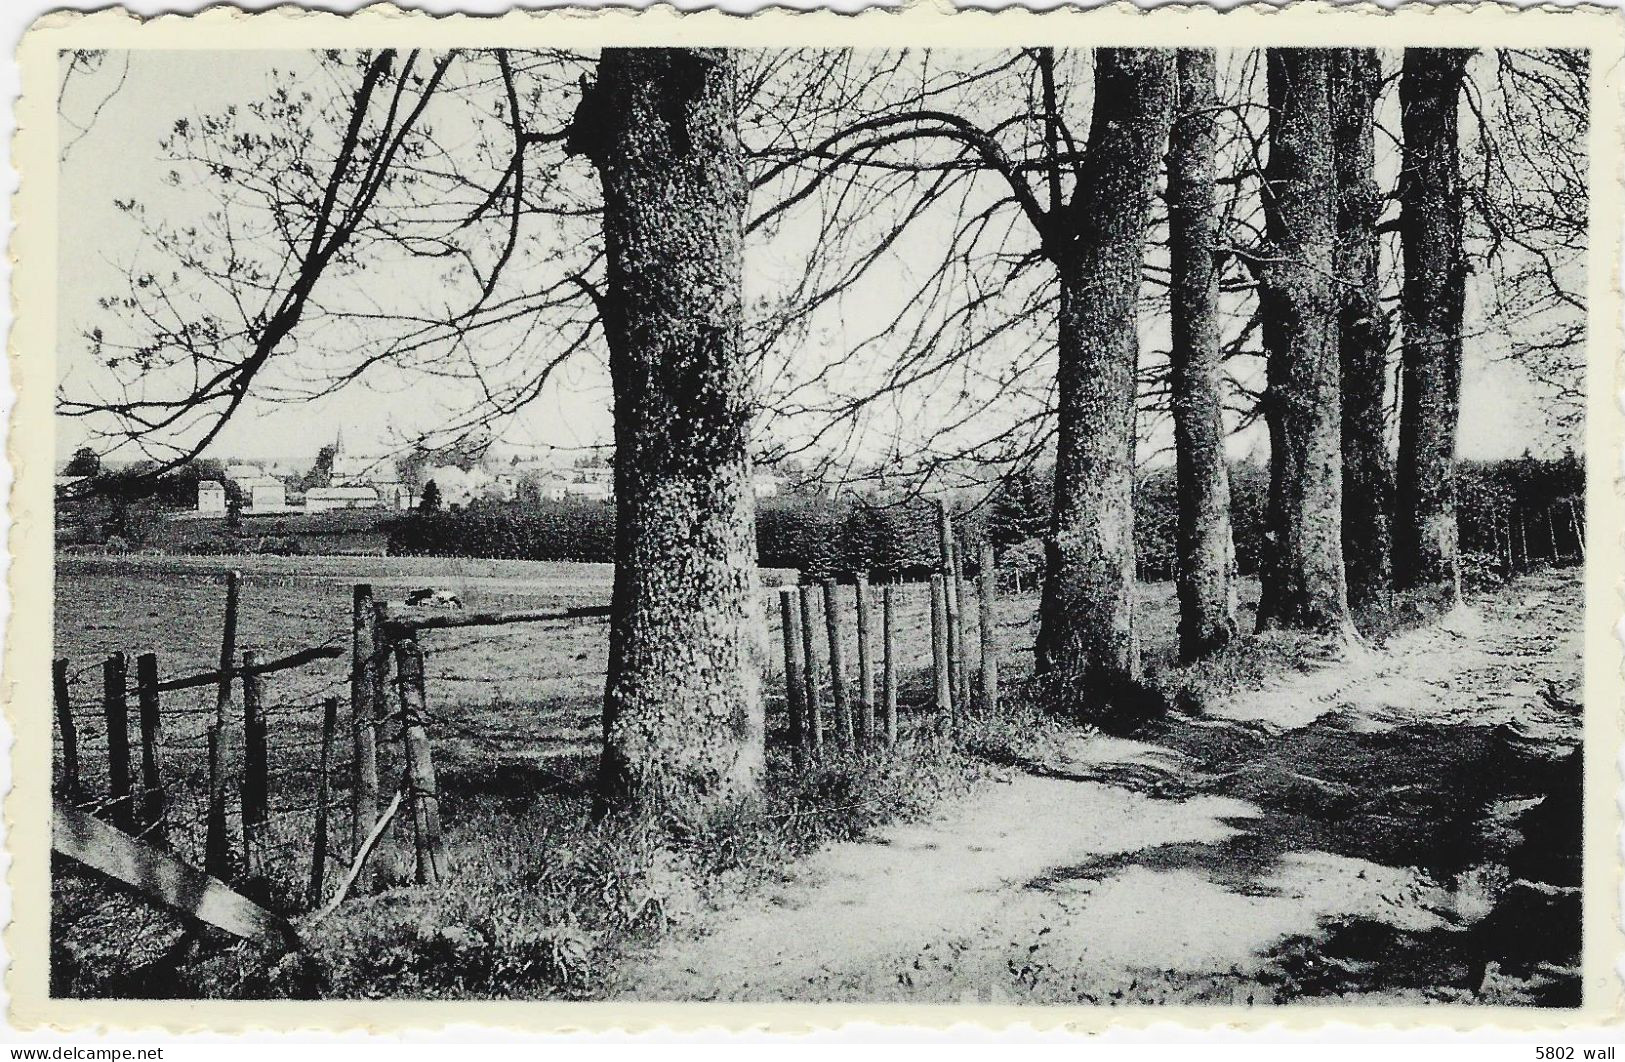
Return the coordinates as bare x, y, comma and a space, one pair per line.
514, 711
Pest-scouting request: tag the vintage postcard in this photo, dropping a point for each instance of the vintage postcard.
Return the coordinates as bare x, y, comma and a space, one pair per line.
629, 519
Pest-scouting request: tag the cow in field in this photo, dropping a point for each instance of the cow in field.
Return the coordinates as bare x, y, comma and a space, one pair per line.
430, 597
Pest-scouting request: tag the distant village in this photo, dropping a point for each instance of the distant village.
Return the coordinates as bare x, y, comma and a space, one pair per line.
373, 481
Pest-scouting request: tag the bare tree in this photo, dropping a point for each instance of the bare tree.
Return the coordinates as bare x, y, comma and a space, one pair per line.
1302, 573
1431, 234
1207, 596
683, 723
1086, 642
1364, 332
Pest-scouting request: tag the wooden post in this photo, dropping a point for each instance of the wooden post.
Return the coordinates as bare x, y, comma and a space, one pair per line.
945, 545
939, 645
795, 691
217, 845
363, 719
254, 783
115, 706
324, 794
961, 631
990, 637
68, 783
866, 664
425, 801
154, 802
809, 670
888, 676
837, 665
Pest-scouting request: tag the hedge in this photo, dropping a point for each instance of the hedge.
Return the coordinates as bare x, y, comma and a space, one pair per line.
823, 537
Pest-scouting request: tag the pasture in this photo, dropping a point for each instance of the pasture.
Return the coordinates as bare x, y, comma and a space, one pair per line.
515, 711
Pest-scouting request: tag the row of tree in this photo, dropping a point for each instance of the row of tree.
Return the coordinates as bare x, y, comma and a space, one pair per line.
1045, 263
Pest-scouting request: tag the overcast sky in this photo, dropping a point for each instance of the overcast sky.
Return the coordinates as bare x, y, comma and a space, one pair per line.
118, 156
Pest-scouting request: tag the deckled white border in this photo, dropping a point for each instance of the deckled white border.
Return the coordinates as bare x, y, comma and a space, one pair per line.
26, 676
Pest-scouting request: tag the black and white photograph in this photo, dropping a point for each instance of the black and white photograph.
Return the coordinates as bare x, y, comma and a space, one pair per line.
1048, 524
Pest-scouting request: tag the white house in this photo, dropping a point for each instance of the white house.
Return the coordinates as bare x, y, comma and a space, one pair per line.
211, 496
764, 486
324, 499
267, 495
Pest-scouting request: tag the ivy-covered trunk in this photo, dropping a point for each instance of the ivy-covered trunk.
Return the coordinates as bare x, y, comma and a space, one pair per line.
1430, 234
683, 723
1363, 334
1207, 596
1302, 570
1086, 642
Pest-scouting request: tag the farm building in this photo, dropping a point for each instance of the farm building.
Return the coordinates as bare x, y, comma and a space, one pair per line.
211, 496
268, 494
325, 499
592, 491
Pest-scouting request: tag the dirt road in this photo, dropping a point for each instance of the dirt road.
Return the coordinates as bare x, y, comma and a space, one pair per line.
1399, 824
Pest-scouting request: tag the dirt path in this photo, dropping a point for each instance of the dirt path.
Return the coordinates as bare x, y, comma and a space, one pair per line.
1351, 831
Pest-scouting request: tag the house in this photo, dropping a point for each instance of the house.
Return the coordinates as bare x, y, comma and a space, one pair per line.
267, 495
590, 491
211, 496
765, 486
324, 499
394, 495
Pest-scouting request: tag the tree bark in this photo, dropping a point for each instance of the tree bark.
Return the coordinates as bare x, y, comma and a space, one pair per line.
1430, 233
1207, 599
1363, 334
683, 713
1302, 572
1086, 644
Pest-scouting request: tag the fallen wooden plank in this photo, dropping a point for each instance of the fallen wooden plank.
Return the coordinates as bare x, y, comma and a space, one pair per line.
404, 620
164, 880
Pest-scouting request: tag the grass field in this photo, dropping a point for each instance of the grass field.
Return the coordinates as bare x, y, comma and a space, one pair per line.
515, 722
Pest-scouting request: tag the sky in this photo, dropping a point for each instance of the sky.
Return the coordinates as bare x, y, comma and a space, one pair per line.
135, 99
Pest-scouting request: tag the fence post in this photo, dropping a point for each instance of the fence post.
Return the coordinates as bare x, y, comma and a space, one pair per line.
154, 804
425, 802
324, 793
809, 671
794, 686
939, 646
253, 785
837, 664
363, 719
217, 845
866, 664
961, 631
888, 675
115, 707
989, 616
68, 783
945, 546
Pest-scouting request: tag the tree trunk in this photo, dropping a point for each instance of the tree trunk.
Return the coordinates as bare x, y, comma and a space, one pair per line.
1207, 598
683, 715
1086, 643
1430, 233
1302, 567
1363, 335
